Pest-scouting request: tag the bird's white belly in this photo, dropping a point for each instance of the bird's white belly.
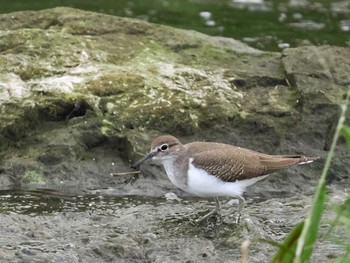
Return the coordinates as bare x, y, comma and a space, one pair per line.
203, 184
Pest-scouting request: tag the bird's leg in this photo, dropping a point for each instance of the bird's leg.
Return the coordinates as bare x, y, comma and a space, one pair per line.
216, 210
241, 201
217, 205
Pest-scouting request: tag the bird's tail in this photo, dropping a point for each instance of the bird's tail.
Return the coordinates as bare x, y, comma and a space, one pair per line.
278, 162
298, 159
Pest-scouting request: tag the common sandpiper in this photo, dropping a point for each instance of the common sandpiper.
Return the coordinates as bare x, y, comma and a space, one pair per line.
209, 169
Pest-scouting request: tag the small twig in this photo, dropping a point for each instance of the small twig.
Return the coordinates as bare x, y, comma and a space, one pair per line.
245, 251
125, 173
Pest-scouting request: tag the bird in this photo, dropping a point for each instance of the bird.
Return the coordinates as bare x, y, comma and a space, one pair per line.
211, 169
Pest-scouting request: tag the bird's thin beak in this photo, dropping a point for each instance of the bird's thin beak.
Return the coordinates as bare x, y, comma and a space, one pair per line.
143, 159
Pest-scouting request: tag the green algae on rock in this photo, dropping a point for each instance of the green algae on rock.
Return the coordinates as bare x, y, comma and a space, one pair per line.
153, 79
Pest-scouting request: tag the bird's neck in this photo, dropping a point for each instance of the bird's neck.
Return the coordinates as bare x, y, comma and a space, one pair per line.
176, 169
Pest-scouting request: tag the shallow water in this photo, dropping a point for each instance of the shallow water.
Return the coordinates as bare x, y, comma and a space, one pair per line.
267, 25
40, 225
37, 202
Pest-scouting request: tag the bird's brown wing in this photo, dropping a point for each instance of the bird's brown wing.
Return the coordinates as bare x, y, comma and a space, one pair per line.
234, 163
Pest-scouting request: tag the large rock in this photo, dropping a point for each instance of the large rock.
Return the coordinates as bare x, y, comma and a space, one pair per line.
86, 87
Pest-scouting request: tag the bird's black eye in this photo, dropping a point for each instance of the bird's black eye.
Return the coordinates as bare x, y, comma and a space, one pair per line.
164, 147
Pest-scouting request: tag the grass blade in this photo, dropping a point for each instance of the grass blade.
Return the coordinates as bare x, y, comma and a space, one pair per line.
308, 236
299, 244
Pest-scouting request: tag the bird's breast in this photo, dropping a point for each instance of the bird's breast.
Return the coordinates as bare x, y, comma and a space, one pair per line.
176, 176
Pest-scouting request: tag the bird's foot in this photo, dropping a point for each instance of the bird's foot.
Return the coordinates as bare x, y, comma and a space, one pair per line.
206, 216
176, 219
213, 214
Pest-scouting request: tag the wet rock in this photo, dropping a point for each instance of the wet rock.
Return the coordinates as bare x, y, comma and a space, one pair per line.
54, 154
137, 80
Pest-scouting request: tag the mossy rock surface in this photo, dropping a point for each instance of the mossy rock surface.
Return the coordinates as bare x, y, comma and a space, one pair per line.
65, 71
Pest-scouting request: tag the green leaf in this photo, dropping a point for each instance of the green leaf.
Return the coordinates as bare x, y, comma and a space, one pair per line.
345, 131
286, 251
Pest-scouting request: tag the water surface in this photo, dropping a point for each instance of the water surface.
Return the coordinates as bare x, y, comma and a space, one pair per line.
267, 25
